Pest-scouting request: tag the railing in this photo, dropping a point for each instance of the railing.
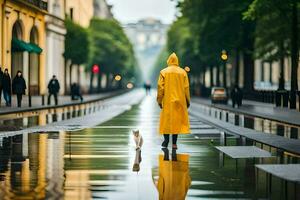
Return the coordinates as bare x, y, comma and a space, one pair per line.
38, 3
280, 98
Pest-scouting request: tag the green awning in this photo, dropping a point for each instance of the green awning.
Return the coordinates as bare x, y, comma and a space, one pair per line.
35, 48
20, 46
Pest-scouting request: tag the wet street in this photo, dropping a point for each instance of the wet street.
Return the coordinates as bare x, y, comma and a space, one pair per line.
101, 162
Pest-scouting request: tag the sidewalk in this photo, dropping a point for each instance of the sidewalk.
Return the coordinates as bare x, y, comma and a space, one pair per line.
36, 102
257, 109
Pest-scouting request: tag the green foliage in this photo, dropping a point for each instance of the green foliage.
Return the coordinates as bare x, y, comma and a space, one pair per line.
111, 49
218, 25
273, 30
76, 43
160, 63
182, 41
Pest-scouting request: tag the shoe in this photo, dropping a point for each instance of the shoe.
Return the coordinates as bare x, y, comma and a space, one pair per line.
174, 146
166, 153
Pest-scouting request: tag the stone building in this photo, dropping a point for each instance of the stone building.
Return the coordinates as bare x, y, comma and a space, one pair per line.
148, 37
22, 41
102, 9
56, 31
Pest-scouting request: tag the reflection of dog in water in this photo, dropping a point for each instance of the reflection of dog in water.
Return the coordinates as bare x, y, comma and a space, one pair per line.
138, 139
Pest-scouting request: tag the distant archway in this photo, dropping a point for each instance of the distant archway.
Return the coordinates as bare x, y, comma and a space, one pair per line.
34, 64
16, 56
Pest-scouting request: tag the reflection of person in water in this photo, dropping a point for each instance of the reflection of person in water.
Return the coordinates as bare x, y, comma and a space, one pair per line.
174, 178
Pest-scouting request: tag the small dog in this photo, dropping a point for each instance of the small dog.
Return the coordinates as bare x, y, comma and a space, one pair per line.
138, 139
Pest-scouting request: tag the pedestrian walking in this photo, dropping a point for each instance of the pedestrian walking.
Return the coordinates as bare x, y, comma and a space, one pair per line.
147, 87
236, 96
6, 86
173, 97
1, 84
19, 87
53, 89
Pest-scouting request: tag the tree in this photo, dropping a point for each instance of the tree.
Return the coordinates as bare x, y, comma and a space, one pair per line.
277, 35
76, 45
111, 50
218, 25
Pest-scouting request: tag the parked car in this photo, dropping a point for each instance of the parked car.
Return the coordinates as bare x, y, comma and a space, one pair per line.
219, 95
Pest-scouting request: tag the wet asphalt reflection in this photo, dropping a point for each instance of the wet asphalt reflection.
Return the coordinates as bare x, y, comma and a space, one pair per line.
102, 163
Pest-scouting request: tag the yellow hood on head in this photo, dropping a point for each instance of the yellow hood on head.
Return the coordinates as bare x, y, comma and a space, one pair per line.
173, 60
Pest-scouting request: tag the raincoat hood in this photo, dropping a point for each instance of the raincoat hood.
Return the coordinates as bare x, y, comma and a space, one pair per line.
173, 60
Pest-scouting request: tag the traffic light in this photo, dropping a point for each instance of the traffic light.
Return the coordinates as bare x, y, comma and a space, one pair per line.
95, 69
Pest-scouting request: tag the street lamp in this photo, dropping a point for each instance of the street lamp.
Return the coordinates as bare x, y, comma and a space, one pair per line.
187, 69
224, 58
129, 85
118, 77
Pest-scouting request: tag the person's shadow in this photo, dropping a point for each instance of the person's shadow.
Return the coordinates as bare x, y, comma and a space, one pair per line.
174, 177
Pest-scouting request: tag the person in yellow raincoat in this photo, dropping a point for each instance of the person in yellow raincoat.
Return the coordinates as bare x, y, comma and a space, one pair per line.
174, 178
173, 97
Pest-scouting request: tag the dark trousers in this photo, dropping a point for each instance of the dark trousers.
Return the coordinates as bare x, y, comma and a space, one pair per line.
167, 138
19, 99
7, 97
55, 98
76, 96
0, 95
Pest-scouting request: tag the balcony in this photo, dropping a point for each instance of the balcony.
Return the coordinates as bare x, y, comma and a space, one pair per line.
36, 3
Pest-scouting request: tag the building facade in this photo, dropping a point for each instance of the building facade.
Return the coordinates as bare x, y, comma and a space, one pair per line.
56, 31
148, 37
102, 9
81, 12
22, 41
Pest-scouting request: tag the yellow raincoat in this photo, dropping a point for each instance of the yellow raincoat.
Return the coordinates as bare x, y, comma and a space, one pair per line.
173, 96
174, 178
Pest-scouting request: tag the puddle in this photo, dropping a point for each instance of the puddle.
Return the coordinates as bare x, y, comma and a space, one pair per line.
101, 163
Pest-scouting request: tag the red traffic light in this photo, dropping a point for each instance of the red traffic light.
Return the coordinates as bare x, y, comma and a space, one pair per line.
95, 69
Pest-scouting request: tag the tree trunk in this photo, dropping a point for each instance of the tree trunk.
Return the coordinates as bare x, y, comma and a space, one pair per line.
281, 76
271, 72
211, 76
248, 72
224, 74
237, 68
203, 77
99, 82
65, 76
218, 76
78, 74
70, 76
295, 56
91, 82
107, 81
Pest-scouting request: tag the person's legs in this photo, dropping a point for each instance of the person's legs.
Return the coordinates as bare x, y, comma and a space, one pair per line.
174, 138
174, 141
19, 99
5, 95
0, 95
55, 98
7, 98
49, 98
166, 140
80, 96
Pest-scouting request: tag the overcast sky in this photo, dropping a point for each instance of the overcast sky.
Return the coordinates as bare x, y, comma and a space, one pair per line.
133, 10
